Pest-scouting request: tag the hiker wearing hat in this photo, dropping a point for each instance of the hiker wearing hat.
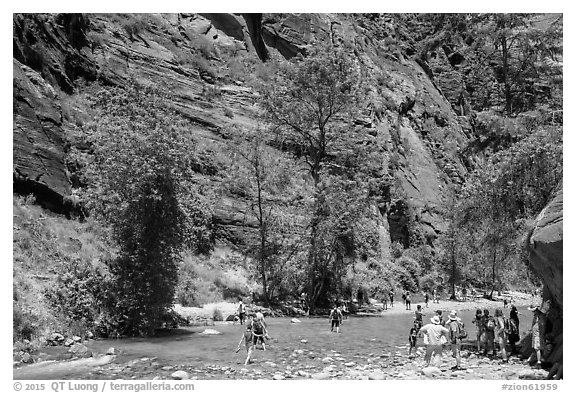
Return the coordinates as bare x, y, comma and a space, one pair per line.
537, 333
435, 336
456, 333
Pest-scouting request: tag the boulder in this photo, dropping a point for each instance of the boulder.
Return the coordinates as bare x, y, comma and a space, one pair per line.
545, 248
27, 358
111, 351
210, 332
68, 342
431, 371
180, 374
295, 320
321, 376
80, 350
377, 375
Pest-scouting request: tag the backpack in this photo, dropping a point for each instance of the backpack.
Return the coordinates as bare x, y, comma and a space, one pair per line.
459, 332
490, 324
462, 333
257, 327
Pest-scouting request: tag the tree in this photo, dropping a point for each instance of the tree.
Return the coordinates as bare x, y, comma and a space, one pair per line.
312, 104
264, 177
510, 62
498, 198
141, 186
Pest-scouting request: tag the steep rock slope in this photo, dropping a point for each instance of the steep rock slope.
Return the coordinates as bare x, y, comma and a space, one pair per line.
185, 53
545, 246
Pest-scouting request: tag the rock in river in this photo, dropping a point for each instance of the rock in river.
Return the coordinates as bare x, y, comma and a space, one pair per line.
210, 332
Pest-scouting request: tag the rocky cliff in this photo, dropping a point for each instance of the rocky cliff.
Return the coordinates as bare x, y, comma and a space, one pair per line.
545, 247
201, 59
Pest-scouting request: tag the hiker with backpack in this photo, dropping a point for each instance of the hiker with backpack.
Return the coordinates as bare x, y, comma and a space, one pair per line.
457, 332
487, 336
479, 328
335, 319
501, 329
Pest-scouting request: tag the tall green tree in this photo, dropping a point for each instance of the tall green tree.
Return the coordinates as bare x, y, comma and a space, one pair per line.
503, 195
312, 105
264, 178
141, 187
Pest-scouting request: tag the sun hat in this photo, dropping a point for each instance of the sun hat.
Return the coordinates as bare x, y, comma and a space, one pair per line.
435, 320
533, 307
452, 315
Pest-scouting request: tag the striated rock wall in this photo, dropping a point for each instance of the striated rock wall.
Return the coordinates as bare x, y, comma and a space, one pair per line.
410, 118
545, 247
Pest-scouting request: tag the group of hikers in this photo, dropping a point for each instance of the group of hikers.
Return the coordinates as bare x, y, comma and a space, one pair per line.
493, 334
388, 299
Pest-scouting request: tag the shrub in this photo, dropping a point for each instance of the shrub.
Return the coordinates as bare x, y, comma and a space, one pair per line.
228, 113
24, 325
79, 293
217, 315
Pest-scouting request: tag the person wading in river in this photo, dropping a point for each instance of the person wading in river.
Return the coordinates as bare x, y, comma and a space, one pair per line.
412, 337
418, 316
436, 336
241, 312
247, 338
259, 330
335, 319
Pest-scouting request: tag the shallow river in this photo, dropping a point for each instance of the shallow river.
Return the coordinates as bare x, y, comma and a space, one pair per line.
358, 337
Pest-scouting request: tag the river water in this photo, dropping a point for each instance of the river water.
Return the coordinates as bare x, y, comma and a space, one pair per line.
358, 337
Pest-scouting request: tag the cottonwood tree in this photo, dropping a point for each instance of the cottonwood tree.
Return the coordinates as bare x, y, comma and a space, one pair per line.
312, 104
141, 187
264, 178
513, 186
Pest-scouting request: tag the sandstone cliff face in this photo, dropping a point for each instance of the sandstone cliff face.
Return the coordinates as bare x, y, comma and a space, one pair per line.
409, 116
545, 247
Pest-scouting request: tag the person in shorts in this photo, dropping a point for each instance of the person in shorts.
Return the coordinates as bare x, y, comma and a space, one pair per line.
247, 338
418, 316
537, 333
435, 337
412, 337
408, 300
335, 319
241, 312
453, 326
